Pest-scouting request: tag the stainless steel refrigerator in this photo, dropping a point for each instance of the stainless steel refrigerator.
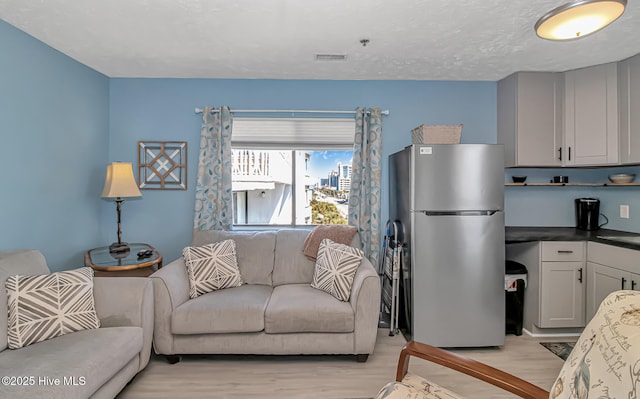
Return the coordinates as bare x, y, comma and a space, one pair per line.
450, 200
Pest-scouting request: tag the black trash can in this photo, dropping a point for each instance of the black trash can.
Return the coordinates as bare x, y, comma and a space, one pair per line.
515, 283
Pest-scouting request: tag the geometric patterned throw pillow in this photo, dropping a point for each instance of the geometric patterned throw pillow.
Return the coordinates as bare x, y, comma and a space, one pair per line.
212, 267
47, 306
336, 266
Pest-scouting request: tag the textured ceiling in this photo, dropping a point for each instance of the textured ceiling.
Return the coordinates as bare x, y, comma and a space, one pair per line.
278, 39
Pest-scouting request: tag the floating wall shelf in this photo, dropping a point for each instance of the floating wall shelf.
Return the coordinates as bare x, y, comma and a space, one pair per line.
575, 184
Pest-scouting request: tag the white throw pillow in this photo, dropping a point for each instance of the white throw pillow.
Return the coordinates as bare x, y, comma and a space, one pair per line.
212, 267
336, 266
46, 306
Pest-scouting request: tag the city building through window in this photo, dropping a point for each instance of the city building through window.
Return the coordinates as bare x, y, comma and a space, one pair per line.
294, 171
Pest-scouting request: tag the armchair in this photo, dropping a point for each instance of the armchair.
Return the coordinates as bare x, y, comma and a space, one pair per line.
605, 362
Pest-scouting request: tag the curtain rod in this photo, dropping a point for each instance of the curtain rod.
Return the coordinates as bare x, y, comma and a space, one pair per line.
285, 111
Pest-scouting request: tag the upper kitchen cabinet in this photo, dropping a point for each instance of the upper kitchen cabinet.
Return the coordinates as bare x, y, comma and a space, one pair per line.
629, 109
530, 118
591, 116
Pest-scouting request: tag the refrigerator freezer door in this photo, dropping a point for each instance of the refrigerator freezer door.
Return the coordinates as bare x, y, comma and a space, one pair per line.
458, 280
457, 177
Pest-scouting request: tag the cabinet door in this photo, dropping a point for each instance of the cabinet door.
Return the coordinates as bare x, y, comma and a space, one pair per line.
629, 109
635, 282
530, 118
561, 294
603, 280
591, 115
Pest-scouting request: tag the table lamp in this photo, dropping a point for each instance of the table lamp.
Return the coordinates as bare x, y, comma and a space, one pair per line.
118, 185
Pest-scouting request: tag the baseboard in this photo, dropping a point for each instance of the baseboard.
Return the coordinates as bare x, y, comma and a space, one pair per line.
551, 334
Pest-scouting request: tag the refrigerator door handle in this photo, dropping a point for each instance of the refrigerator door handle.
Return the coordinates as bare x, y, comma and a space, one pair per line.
460, 213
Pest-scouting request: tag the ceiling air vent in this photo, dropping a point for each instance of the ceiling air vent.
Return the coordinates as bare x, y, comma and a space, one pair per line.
331, 57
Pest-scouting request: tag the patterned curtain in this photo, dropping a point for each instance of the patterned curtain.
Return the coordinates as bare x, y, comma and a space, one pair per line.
364, 197
214, 198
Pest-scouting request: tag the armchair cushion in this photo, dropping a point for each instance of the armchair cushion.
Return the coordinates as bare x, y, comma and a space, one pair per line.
46, 306
604, 361
212, 267
415, 387
336, 266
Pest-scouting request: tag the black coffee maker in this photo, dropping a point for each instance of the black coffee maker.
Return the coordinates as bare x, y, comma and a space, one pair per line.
587, 213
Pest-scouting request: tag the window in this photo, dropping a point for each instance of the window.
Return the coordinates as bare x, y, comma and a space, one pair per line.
294, 171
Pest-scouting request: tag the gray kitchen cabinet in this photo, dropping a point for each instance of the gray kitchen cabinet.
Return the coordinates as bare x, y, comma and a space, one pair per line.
629, 109
530, 118
609, 268
554, 297
601, 281
562, 286
591, 116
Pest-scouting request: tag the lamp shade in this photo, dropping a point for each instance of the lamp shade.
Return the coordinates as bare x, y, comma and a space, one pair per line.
579, 18
119, 182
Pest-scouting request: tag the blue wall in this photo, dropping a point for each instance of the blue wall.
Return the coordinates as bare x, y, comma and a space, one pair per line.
163, 109
54, 126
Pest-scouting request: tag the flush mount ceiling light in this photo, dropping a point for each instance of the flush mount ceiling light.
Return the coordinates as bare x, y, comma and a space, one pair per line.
579, 18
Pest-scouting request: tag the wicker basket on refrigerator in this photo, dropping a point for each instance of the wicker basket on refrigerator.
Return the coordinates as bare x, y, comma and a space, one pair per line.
436, 134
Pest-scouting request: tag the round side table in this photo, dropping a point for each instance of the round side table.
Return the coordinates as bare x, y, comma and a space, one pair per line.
126, 263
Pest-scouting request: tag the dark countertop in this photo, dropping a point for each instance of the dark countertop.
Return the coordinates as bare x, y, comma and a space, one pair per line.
514, 234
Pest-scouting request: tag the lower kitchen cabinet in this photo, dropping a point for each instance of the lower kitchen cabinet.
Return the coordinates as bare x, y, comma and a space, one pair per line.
555, 294
561, 294
609, 268
562, 286
567, 280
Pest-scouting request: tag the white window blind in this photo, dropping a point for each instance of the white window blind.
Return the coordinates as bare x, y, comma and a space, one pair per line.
294, 132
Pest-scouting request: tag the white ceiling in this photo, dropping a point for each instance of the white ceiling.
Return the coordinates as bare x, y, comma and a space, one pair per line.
278, 39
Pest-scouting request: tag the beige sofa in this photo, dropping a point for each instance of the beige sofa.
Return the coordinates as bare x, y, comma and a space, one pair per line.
275, 312
95, 363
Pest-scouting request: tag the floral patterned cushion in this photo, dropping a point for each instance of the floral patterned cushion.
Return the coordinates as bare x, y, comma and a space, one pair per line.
605, 362
415, 387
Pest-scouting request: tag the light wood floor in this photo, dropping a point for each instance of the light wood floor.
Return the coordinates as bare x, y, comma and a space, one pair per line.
334, 377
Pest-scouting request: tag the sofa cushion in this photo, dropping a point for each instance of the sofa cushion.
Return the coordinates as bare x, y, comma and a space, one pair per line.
211, 267
254, 251
335, 268
232, 310
295, 308
24, 262
47, 306
91, 357
291, 265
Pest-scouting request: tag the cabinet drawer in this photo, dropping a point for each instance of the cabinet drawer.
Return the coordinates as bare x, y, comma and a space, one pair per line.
562, 251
